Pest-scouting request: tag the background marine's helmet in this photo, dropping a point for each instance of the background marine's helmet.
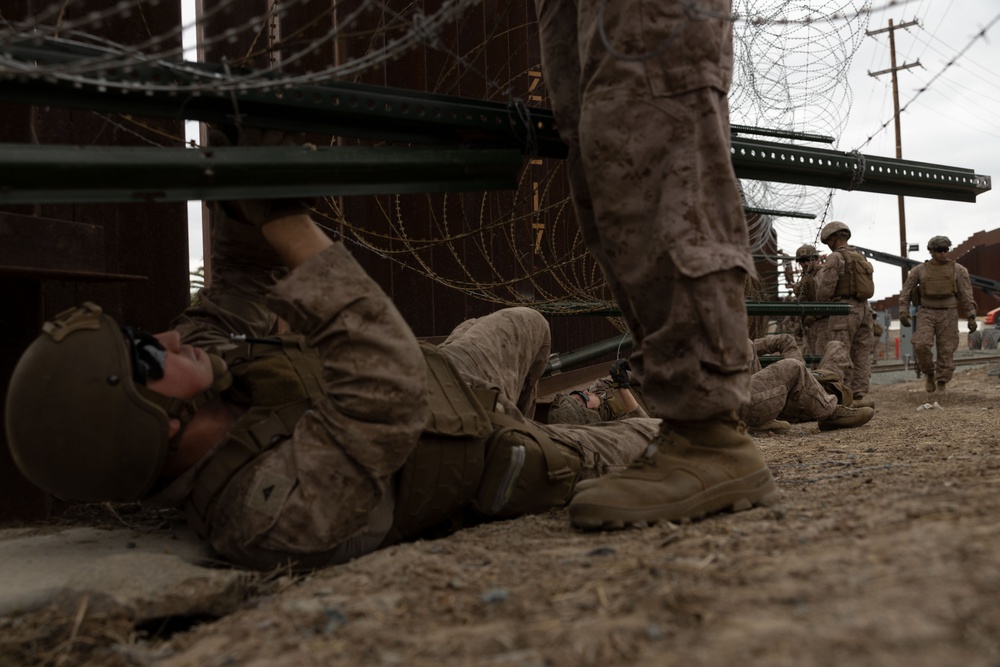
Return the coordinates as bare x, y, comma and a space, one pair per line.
832, 228
807, 250
78, 425
939, 242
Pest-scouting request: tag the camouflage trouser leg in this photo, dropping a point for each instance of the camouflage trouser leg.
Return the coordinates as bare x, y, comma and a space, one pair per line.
657, 197
940, 324
811, 346
788, 390
862, 344
506, 350
607, 446
557, 21
854, 331
835, 358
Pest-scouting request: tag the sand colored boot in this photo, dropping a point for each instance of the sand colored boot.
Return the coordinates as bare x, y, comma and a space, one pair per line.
929, 383
940, 386
863, 402
690, 470
773, 426
845, 417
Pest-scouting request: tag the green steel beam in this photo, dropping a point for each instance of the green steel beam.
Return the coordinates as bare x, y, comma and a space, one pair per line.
198, 91
802, 165
64, 174
92, 79
754, 308
781, 134
616, 345
752, 210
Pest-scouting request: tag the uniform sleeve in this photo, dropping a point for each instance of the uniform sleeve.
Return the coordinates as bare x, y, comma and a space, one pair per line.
309, 495
912, 279
828, 276
965, 291
783, 345
244, 267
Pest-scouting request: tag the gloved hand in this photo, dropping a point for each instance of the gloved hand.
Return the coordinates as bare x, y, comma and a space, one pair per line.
904, 319
619, 373
258, 212
973, 325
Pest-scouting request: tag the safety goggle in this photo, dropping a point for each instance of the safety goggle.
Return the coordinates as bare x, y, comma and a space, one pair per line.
582, 394
940, 249
147, 355
803, 260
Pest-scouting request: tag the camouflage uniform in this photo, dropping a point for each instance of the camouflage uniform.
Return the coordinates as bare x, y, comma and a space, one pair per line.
326, 494
854, 330
655, 192
786, 388
805, 290
938, 319
566, 409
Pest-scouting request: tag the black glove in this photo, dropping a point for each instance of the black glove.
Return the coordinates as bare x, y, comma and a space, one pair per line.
973, 325
619, 373
904, 319
258, 212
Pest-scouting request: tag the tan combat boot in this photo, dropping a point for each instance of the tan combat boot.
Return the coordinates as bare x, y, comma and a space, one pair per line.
690, 470
929, 383
844, 417
863, 402
940, 386
773, 426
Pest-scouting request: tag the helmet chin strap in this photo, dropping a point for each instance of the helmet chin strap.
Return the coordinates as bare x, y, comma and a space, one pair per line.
183, 410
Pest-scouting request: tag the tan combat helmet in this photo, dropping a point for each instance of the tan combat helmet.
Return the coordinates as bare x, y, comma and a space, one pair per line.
832, 228
939, 242
807, 250
78, 424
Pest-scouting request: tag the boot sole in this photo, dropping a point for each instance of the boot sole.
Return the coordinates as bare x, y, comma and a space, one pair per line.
735, 495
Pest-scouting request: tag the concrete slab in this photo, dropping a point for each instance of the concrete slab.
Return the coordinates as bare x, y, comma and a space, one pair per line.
150, 574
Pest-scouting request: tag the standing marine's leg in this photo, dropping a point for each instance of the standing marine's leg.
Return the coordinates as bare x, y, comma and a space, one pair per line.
654, 144
561, 74
923, 341
506, 350
862, 344
946, 330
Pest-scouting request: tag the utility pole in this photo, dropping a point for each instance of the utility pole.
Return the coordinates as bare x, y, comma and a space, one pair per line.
895, 102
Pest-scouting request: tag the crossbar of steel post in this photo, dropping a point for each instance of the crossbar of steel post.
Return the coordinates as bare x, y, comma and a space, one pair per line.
74, 174
754, 308
623, 343
802, 165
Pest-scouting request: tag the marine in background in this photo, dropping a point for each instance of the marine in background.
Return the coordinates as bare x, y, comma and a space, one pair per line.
786, 391
938, 287
808, 259
847, 277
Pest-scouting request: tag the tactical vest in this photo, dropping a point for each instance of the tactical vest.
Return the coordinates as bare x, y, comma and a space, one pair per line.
525, 470
807, 287
857, 281
938, 285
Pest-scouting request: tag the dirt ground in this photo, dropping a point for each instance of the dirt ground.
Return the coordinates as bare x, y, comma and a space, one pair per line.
882, 551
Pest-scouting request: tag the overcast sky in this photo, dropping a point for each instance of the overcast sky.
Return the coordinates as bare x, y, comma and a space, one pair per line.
955, 122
